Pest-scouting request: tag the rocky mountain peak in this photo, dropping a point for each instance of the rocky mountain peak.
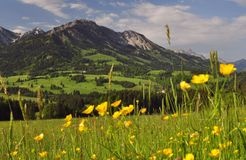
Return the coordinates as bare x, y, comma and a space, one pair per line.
34, 32
81, 22
6, 36
137, 40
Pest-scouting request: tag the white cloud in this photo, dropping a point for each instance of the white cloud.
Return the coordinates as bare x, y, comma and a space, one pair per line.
56, 7
118, 4
25, 18
107, 19
20, 29
83, 7
53, 6
188, 30
240, 2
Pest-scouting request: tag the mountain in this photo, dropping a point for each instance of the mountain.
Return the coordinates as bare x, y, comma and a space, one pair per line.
189, 52
6, 36
240, 65
32, 34
83, 45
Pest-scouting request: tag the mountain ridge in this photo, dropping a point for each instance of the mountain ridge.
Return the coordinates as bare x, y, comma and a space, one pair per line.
77, 45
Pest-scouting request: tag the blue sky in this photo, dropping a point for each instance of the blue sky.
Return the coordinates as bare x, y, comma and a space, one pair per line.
200, 25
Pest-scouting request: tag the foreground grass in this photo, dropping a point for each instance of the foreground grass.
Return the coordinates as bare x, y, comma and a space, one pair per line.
130, 137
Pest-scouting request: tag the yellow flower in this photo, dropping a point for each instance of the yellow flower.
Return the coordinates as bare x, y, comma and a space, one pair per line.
191, 142
184, 86
68, 118
13, 154
63, 152
235, 151
200, 79
78, 149
127, 123
116, 103
216, 130
189, 156
175, 115
43, 154
143, 110
67, 124
168, 152
39, 137
225, 145
82, 126
102, 108
165, 118
227, 69
126, 110
131, 139
206, 139
215, 153
152, 157
116, 114
244, 129
93, 157
194, 135
88, 109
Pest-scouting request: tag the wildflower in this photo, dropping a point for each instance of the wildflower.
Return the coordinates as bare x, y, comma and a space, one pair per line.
127, 123
189, 156
126, 110
143, 110
159, 151
175, 115
131, 139
216, 130
225, 145
77, 149
102, 108
63, 152
194, 135
206, 139
116, 103
39, 137
152, 157
227, 69
179, 134
68, 118
191, 143
93, 157
13, 154
58, 157
215, 153
235, 151
165, 118
184, 85
116, 114
67, 124
43, 154
89, 109
168, 152
82, 126
200, 79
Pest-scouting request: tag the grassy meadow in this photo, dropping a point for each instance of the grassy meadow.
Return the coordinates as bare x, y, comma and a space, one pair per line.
143, 137
69, 86
203, 118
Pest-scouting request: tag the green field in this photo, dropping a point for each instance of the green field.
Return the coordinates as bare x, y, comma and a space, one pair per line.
70, 85
145, 138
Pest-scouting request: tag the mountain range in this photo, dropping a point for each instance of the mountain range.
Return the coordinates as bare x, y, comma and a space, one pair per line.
83, 45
